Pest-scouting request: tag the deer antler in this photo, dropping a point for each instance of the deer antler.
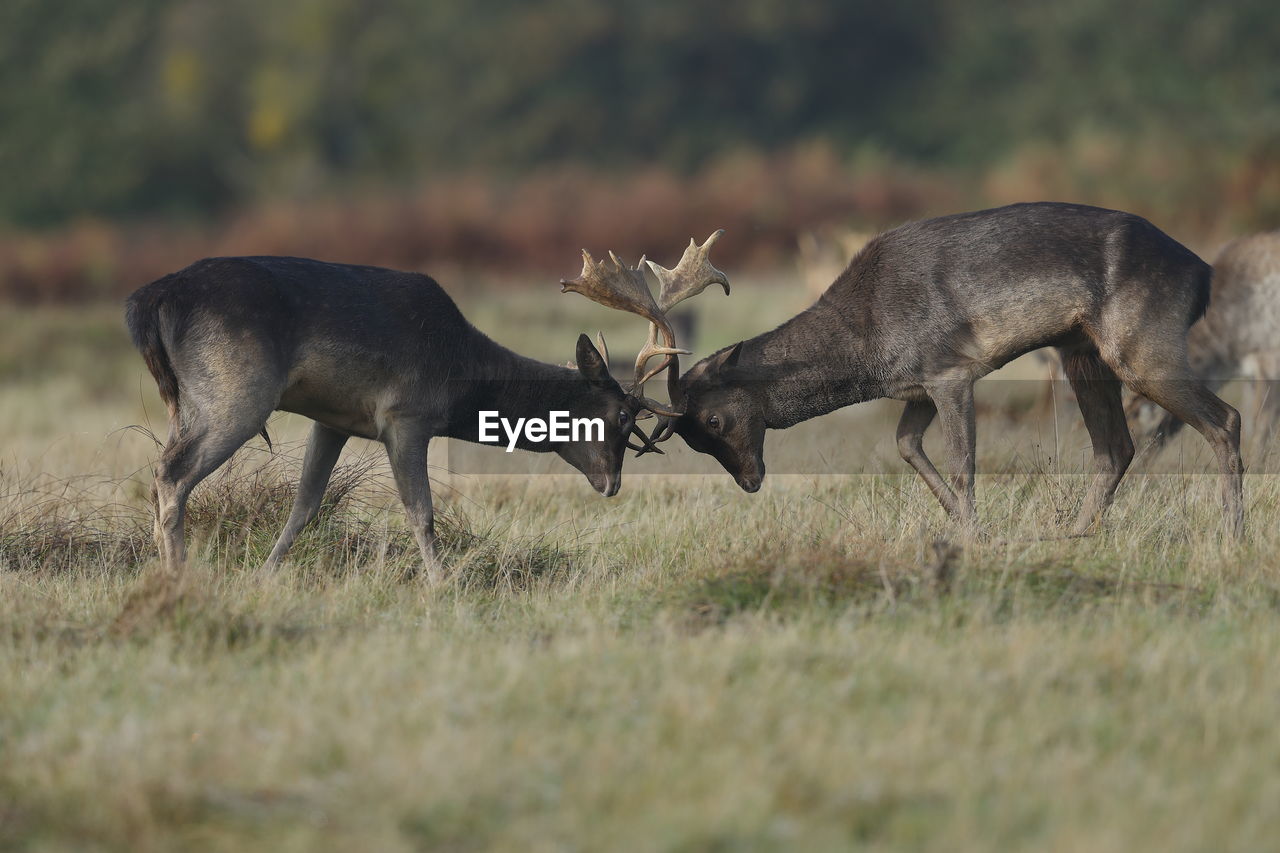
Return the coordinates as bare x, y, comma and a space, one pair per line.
691, 276
616, 285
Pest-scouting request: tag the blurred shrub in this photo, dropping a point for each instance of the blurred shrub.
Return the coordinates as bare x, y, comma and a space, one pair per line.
185, 107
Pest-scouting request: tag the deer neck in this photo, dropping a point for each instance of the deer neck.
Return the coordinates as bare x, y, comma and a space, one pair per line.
512, 385
813, 364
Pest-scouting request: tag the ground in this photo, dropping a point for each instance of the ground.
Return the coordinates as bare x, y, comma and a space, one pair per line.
681, 667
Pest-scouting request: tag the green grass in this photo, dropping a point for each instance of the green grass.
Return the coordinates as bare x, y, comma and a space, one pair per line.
683, 667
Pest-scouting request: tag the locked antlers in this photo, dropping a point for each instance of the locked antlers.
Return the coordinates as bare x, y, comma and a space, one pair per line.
616, 285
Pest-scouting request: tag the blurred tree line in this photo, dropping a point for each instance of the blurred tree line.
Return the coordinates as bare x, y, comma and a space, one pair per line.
145, 107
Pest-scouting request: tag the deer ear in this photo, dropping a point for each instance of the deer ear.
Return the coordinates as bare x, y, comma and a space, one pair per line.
591, 364
727, 358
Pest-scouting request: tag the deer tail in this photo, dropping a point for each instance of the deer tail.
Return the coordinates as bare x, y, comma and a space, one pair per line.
142, 316
1203, 288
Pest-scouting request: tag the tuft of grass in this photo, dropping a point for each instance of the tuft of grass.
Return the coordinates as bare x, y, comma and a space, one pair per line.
54, 526
787, 581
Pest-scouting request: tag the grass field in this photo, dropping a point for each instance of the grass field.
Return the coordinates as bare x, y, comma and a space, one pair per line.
682, 667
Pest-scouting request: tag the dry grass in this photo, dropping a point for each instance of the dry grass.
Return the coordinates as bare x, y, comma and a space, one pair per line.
683, 667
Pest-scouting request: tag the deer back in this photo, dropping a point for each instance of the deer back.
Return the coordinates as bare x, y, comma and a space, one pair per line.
982, 288
333, 339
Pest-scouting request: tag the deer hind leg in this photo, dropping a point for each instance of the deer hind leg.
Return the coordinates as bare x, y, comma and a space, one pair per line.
954, 402
916, 418
1097, 391
1156, 427
1165, 378
202, 444
407, 450
323, 449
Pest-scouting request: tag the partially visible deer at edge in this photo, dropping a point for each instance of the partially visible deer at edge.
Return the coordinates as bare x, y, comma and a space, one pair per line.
925, 310
1239, 338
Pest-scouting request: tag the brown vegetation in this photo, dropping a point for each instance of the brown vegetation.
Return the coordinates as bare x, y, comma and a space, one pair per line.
535, 225
538, 223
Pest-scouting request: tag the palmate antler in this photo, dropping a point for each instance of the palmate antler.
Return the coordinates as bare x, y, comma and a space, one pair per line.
616, 285
691, 276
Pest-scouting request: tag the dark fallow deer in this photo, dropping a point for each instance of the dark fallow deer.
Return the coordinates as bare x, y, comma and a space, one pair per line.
924, 310
362, 351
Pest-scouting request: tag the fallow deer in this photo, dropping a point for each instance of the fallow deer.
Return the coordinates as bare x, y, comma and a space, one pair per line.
925, 310
362, 351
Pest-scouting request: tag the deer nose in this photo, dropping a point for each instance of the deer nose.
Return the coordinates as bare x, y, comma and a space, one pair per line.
611, 485
750, 483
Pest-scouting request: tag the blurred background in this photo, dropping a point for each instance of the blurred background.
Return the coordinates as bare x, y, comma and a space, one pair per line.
487, 141
501, 136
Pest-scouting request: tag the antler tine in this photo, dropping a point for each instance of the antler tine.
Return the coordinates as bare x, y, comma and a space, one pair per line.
603, 347
651, 349
691, 275
663, 430
646, 445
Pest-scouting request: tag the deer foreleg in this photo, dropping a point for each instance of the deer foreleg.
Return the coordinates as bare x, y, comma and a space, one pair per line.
323, 450
407, 450
954, 402
916, 418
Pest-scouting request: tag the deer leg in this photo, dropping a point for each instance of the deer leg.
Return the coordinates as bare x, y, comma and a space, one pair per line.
916, 418
197, 453
407, 450
954, 401
1155, 426
1169, 425
1188, 399
323, 449
1097, 391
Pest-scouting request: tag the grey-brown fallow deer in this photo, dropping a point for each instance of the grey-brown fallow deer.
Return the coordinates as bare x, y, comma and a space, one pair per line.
924, 310
1239, 338
362, 351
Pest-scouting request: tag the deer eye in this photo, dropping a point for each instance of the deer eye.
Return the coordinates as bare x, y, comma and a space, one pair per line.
713, 421
624, 417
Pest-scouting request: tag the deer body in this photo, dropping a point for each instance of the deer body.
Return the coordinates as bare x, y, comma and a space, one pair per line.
925, 310
362, 351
